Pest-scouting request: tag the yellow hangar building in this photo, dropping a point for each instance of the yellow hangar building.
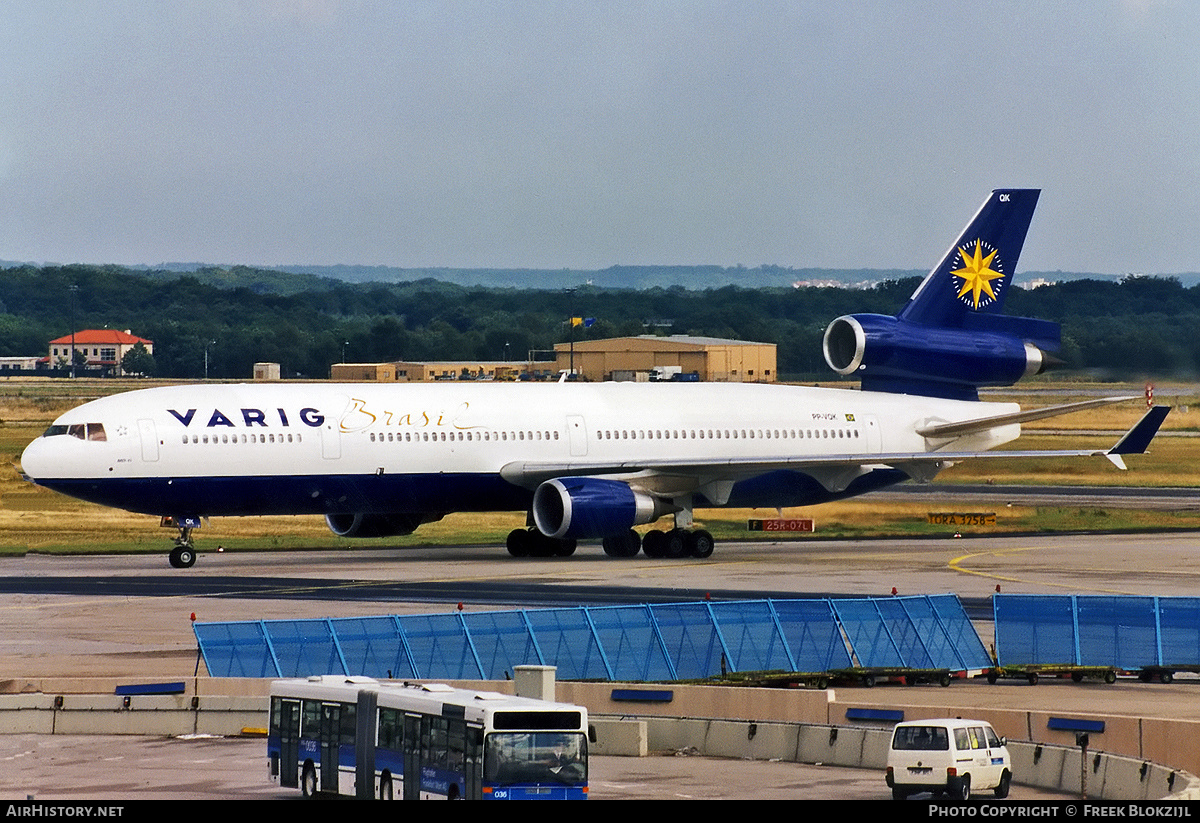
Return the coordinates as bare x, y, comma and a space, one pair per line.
647, 356
642, 358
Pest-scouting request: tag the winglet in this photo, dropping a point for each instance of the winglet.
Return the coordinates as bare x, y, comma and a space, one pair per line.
1138, 438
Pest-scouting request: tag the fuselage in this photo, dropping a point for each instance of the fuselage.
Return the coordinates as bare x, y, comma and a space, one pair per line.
323, 448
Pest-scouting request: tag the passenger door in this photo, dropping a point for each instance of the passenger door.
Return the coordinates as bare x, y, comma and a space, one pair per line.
149, 437
985, 774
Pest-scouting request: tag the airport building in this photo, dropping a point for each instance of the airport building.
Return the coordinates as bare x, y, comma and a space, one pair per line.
101, 348
645, 357
642, 358
429, 371
266, 371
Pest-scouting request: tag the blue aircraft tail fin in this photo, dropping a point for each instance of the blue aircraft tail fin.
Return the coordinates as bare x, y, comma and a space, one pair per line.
974, 275
950, 339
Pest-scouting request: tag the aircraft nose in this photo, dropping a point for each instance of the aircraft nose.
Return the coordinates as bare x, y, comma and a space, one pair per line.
33, 462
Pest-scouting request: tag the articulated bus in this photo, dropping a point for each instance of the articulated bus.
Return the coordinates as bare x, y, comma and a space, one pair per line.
376, 739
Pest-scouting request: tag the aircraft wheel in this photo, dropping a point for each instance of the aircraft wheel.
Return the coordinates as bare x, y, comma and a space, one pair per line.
540, 545
654, 544
676, 544
564, 548
182, 557
700, 544
518, 543
623, 545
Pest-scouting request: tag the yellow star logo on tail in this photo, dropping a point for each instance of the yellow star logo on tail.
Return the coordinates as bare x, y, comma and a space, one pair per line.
977, 275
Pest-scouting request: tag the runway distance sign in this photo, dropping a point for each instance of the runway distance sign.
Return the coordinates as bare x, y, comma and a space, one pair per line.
962, 518
794, 524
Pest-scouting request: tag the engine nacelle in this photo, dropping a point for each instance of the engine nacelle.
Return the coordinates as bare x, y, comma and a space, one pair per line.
584, 507
377, 525
894, 356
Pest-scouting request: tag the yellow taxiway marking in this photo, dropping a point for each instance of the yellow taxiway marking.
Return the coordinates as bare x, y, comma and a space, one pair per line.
955, 564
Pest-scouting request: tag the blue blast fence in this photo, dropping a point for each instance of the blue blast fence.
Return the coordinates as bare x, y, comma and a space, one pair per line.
654, 643
1126, 632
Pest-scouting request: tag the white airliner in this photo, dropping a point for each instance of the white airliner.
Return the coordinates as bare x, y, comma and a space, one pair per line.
587, 460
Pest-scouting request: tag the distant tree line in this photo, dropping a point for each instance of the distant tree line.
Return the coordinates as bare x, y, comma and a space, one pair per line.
1138, 327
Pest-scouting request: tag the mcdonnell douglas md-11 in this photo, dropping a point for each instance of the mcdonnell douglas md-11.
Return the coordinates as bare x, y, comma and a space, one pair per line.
589, 460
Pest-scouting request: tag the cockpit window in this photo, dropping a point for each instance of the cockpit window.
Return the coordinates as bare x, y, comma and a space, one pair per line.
84, 431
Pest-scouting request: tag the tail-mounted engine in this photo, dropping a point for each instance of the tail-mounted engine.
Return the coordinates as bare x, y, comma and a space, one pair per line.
892, 355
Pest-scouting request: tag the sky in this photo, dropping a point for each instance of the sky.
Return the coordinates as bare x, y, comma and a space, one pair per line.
530, 134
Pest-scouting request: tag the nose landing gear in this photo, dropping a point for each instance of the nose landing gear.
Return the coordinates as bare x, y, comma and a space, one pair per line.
183, 556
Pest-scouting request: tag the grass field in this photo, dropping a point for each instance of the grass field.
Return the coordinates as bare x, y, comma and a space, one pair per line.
36, 520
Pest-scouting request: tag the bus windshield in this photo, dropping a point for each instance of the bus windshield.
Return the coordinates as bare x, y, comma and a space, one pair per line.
535, 757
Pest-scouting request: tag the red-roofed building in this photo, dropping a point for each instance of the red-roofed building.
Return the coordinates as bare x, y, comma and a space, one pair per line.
103, 348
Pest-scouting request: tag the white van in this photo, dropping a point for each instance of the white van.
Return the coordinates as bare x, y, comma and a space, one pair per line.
951, 756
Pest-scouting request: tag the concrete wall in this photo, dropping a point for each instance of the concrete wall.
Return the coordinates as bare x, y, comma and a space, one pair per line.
172, 715
770, 724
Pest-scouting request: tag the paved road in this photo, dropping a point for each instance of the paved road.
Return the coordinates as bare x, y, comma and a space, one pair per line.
130, 768
130, 616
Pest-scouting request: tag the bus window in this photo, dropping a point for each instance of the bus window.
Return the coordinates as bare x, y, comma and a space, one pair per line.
310, 719
520, 757
391, 730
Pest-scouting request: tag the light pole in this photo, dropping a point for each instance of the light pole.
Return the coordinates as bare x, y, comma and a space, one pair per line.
73, 288
206, 345
344, 345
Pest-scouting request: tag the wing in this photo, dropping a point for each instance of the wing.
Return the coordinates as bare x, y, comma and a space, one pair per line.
682, 475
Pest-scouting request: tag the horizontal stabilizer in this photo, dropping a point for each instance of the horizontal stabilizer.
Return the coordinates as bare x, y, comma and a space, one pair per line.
984, 423
1138, 438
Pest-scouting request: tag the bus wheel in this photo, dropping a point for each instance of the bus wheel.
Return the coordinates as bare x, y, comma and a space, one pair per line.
308, 781
385, 787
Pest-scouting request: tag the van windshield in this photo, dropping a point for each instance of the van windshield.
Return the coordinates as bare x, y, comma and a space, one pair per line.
921, 738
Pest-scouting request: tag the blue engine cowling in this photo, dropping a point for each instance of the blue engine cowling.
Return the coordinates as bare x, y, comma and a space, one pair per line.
587, 507
377, 525
892, 355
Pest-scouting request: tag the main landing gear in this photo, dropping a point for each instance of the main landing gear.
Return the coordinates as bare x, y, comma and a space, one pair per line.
673, 544
532, 543
183, 556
